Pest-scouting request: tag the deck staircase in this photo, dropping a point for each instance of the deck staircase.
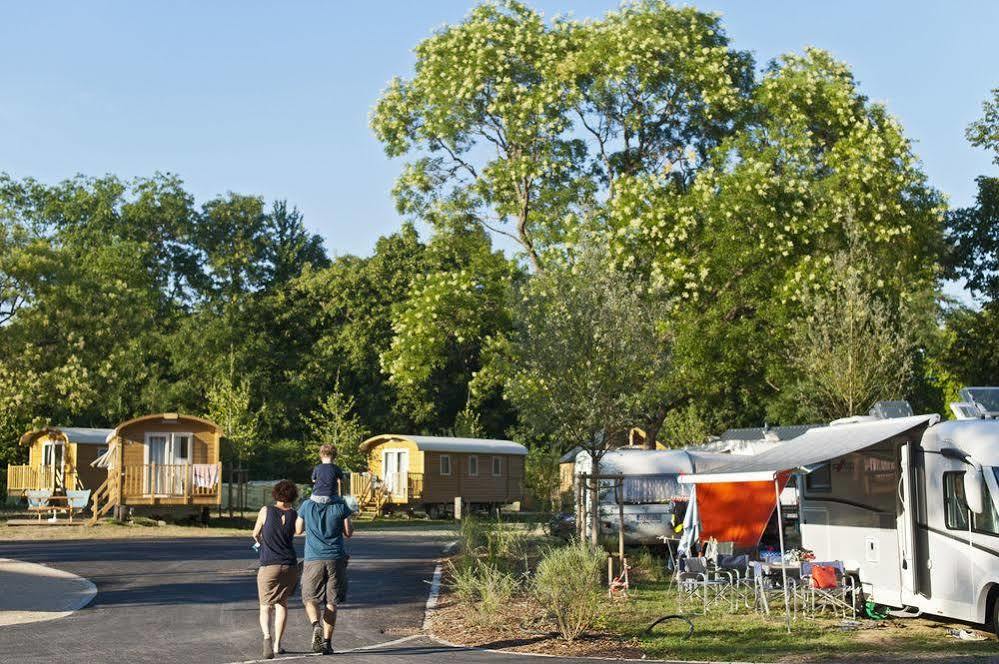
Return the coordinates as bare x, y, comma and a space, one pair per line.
371, 496
105, 498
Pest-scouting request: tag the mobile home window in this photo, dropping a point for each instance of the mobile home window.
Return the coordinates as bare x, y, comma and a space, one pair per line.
445, 464
988, 521
473, 465
955, 507
819, 480
183, 447
497, 466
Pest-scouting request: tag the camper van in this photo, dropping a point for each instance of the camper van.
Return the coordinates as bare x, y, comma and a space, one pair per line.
908, 503
916, 516
649, 491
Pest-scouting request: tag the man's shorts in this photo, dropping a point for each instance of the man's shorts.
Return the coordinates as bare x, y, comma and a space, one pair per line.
325, 581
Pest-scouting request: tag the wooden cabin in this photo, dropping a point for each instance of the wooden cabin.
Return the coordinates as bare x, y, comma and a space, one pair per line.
156, 462
59, 460
429, 472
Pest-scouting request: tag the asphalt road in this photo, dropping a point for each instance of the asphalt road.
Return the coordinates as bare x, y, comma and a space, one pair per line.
194, 600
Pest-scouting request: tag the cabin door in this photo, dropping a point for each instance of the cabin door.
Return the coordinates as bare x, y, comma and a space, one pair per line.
54, 465
156, 463
395, 468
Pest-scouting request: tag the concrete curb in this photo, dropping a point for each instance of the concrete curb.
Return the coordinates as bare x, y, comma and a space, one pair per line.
35, 593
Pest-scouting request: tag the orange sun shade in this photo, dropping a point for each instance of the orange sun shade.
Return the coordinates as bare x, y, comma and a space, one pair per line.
736, 511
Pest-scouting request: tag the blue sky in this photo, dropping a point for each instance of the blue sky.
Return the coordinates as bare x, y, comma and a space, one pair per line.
272, 98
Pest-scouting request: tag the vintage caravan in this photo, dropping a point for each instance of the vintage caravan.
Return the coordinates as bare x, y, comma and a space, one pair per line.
429, 472
649, 490
910, 504
59, 460
156, 463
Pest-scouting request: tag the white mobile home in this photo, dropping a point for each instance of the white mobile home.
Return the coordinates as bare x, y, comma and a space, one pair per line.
909, 504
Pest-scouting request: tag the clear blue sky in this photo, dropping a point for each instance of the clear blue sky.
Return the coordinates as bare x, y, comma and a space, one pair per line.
272, 98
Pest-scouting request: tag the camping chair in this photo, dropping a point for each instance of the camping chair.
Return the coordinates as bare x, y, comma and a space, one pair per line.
77, 501
839, 594
697, 582
38, 501
766, 589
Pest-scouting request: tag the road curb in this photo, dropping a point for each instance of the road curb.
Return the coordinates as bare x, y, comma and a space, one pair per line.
37, 593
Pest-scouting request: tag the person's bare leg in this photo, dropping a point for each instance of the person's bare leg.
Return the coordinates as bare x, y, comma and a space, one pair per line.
280, 618
329, 621
265, 620
312, 611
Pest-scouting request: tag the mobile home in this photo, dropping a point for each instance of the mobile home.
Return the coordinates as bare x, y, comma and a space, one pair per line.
429, 472
909, 504
59, 460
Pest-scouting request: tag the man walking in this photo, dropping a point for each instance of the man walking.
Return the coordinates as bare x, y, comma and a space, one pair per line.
324, 573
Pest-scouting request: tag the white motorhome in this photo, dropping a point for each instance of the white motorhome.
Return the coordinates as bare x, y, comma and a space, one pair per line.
648, 491
910, 504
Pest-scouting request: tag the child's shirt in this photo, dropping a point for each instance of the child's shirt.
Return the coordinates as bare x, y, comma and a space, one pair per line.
324, 477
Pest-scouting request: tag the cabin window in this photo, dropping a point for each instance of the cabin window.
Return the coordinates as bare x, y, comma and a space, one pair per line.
819, 480
497, 466
183, 445
473, 465
955, 506
445, 464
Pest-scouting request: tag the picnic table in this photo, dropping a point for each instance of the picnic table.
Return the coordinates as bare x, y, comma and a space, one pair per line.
53, 505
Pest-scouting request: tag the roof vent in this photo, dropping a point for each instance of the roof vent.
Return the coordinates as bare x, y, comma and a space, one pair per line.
886, 410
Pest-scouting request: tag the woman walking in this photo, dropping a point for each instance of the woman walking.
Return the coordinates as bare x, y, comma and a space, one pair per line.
274, 533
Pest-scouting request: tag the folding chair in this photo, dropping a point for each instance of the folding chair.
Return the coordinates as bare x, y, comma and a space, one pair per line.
840, 597
698, 582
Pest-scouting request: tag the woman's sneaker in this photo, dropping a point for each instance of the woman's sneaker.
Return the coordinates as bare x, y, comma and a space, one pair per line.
268, 649
317, 637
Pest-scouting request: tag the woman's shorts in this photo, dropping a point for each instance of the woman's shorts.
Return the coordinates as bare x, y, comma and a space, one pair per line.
275, 583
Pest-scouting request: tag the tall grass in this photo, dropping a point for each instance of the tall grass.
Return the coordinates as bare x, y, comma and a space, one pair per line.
482, 586
568, 583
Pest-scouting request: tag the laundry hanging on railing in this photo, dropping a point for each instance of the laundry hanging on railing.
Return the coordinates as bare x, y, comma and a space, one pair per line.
205, 475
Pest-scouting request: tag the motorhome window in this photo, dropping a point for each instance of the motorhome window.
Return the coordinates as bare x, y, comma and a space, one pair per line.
819, 480
445, 464
955, 506
988, 521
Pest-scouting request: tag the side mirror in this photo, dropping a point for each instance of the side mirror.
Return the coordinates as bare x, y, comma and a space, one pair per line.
974, 489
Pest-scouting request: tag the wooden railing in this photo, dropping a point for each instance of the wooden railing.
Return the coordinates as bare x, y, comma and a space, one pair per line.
171, 480
31, 478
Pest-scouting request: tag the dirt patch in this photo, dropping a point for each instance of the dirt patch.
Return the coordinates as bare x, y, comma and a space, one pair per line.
522, 627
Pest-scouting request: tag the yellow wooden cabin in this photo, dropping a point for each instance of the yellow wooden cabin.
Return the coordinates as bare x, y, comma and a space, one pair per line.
429, 472
166, 460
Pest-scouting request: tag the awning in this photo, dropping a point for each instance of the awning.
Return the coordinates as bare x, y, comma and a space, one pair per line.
812, 448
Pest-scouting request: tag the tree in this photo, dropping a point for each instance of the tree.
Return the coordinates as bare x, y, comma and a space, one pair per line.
229, 406
852, 349
335, 422
288, 246
587, 358
517, 122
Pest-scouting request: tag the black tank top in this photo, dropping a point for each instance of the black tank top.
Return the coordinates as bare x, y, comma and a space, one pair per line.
277, 539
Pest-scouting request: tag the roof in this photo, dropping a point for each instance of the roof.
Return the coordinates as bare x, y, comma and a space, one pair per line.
977, 438
79, 435
451, 444
169, 418
570, 456
815, 446
762, 433
656, 462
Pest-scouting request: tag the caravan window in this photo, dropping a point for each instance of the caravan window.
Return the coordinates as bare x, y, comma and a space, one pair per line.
955, 507
819, 480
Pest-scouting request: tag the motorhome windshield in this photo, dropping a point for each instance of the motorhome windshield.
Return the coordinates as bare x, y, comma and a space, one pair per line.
988, 397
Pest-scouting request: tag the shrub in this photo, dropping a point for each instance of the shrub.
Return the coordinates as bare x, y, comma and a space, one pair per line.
646, 567
482, 585
568, 583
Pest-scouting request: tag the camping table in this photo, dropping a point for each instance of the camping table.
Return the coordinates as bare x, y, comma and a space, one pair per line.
53, 508
773, 575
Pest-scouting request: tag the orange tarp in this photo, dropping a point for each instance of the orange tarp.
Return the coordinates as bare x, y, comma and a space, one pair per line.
736, 511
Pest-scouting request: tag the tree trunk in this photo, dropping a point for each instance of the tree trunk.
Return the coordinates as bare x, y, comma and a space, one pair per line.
594, 502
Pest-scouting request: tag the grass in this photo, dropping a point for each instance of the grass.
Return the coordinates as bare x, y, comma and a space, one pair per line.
750, 636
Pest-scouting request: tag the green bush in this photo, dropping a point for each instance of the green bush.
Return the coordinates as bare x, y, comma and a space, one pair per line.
568, 583
483, 586
646, 567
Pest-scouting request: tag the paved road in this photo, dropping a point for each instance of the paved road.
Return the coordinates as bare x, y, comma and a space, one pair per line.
194, 600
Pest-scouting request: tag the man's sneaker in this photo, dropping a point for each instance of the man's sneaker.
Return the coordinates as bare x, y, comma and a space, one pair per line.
317, 638
327, 648
268, 649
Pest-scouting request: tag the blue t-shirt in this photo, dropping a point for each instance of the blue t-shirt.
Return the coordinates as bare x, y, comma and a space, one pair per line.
324, 528
324, 477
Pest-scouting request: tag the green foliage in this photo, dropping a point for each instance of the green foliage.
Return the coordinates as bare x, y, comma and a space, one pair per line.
541, 476
567, 583
229, 406
335, 422
483, 586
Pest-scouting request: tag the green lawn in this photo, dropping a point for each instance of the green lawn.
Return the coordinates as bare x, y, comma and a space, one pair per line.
754, 637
